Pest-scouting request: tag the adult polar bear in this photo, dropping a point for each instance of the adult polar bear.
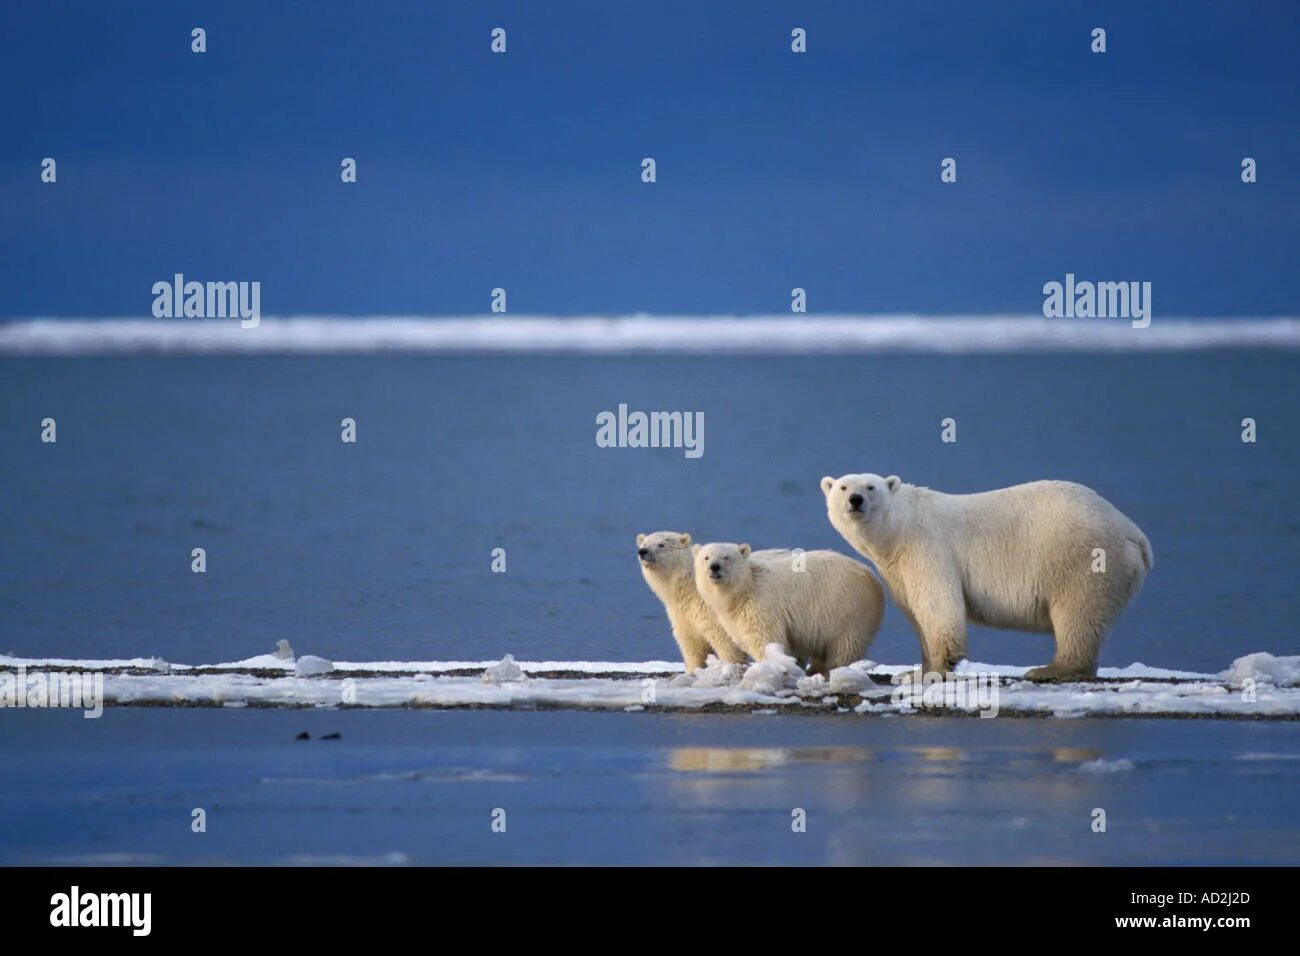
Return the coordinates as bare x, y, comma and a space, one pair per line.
1022, 558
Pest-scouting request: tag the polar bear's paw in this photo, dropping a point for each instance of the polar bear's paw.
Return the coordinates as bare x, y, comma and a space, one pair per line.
1059, 673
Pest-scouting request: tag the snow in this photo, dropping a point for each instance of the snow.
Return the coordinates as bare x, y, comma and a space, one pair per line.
772, 334
776, 672
715, 673
852, 679
774, 684
273, 662
1264, 669
505, 670
311, 666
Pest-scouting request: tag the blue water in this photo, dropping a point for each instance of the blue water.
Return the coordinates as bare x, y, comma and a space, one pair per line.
382, 549
420, 787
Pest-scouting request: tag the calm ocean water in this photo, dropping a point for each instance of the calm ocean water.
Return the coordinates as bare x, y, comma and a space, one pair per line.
419, 787
382, 549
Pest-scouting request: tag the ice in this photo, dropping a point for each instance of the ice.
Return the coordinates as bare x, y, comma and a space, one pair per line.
262, 662
283, 651
1264, 668
772, 334
814, 685
776, 672
1101, 765
504, 670
852, 679
775, 682
714, 673
311, 666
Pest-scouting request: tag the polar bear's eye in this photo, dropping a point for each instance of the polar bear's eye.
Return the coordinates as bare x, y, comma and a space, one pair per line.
844, 487
871, 487
661, 544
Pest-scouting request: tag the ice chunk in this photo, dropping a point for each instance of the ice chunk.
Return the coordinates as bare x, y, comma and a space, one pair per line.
812, 686
1102, 765
852, 679
716, 673
311, 666
777, 671
504, 670
1264, 668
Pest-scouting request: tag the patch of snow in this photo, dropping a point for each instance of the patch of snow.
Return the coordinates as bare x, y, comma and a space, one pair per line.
1264, 668
267, 662
714, 673
1142, 670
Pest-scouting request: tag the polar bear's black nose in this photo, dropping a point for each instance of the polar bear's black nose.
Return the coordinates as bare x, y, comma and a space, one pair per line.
855, 500
715, 566
642, 551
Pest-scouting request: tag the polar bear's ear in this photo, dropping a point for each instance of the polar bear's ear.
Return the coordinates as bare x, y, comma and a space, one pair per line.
744, 550
827, 484
696, 548
892, 482
686, 538
640, 540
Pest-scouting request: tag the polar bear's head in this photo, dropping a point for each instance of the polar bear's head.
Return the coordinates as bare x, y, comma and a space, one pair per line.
666, 553
858, 499
721, 564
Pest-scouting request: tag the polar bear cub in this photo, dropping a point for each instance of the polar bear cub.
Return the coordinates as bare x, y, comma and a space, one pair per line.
818, 605
668, 568
1049, 557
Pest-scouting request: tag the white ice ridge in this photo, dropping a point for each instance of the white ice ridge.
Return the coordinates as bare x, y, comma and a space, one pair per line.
1256, 686
771, 334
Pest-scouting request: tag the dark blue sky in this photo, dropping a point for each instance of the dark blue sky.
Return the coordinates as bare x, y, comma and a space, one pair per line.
775, 170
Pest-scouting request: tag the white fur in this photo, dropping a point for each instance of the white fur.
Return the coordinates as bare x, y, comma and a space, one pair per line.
669, 571
827, 613
1018, 558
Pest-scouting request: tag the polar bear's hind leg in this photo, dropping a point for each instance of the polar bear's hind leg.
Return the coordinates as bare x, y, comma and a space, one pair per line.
1079, 631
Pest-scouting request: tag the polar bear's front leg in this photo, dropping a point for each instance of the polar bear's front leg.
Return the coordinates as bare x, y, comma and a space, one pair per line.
695, 649
757, 634
940, 622
727, 650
